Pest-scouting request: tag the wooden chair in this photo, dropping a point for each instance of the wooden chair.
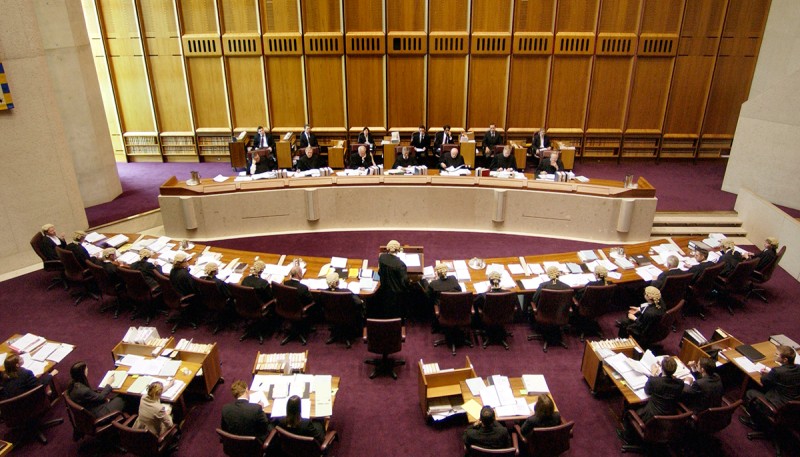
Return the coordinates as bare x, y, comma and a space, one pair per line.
497, 311
244, 446
660, 431
50, 266
343, 314
478, 451
304, 446
595, 301
384, 337
74, 273
216, 302
249, 307
107, 287
702, 287
293, 313
552, 313
547, 441
138, 291
180, 305
144, 443
738, 282
761, 276
84, 423
454, 314
24, 415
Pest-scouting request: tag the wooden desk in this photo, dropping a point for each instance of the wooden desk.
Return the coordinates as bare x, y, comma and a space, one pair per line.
766, 348
335, 380
389, 155
442, 385
5, 448
601, 378
517, 386
284, 152
5, 348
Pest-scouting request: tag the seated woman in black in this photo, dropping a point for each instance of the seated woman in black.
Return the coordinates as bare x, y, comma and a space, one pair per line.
293, 423
544, 415
17, 380
95, 402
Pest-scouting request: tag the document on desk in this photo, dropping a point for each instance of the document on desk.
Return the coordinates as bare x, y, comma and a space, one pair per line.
339, 262
119, 379
648, 272
139, 386
170, 368
410, 259
503, 387
45, 351
481, 287
171, 394
749, 366
475, 386
130, 360
531, 283
149, 367
258, 398
535, 384
473, 408
279, 407
535, 269
516, 269
35, 366
489, 396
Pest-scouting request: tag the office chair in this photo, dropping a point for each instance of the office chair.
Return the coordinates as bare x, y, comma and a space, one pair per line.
454, 314
249, 307
785, 420
24, 415
660, 331
552, 313
51, 266
761, 276
674, 290
713, 420
216, 302
144, 443
660, 431
384, 337
698, 292
84, 423
293, 313
140, 293
595, 301
180, 305
497, 311
304, 446
478, 451
343, 314
547, 441
738, 282
106, 287
74, 273
244, 446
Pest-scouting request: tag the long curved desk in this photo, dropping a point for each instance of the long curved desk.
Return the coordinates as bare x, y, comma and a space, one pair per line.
600, 210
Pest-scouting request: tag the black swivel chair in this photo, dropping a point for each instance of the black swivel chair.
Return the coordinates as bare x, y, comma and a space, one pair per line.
454, 314
497, 311
343, 314
249, 307
738, 282
547, 441
595, 301
74, 273
294, 314
764, 275
138, 291
24, 415
696, 296
384, 337
50, 266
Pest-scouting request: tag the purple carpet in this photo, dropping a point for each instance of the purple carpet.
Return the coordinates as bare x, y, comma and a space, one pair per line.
380, 417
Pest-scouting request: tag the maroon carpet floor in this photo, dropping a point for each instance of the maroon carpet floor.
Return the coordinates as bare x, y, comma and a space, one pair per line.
381, 417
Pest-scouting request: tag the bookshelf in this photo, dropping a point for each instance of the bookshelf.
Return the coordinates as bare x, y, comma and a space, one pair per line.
440, 389
178, 147
713, 146
141, 146
212, 145
640, 145
678, 146
602, 143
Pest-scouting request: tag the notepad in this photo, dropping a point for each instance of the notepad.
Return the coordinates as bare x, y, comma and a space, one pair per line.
119, 379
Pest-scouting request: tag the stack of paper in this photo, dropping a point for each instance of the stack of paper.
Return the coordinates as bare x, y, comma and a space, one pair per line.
119, 379
587, 255
535, 384
648, 272
117, 240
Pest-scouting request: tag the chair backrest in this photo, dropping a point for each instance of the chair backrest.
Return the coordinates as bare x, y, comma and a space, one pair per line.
287, 303
705, 280
384, 336
170, 296
663, 328
100, 277
553, 307
83, 421
739, 279
297, 446
498, 149
340, 309
210, 294
354, 147
499, 307
25, 407
455, 309
36, 244
239, 446
478, 451
137, 441
247, 303
789, 416
72, 268
713, 420
550, 441
596, 300
302, 151
447, 147
666, 429
674, 289
765, 273
136, 288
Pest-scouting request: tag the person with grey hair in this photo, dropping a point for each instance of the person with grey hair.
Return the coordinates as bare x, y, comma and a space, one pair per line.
487, 432
393, 291
295, 276
211, 270
258, 283
360, 159
552, 283
505, 161
309, 160
672, 270
405, 159
50, 239
76, 246
146, 267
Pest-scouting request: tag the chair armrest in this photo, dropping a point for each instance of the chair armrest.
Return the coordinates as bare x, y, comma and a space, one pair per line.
403, 333
767, 405
53, 264
168, 433
436, 310
269, 439
683, 408
129, 421
636, 420
267, 305
515, 443
107, 418
308, 306
187, 299
518, 431
364, 335
329, 438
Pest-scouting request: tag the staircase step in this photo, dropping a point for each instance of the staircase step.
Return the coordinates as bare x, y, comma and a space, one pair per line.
698, 230
705, 220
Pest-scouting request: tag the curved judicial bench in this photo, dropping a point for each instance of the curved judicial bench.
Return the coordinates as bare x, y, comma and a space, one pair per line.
598, 210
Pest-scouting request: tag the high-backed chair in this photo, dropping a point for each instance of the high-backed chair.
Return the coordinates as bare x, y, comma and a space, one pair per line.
343, 315
701, 288
249, 307
547, 441
84, 423
74, 273
478, 451
713, 420
551, 314
761, 276
23, 415
738, 282
51, 266
303, 446
179, 305
674, 290
660, 431
244, 446
215, 302
446, 150
293, 313
139, 292
144, 443
785, 420
662, 329
497, 311
595, 301
384, 337
454, 314
107, 287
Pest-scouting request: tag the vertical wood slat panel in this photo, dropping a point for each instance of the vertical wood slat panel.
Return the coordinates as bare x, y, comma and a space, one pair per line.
608, 99
322, 16
406, 15
326, 92
207, 92
448, 15
488, 91
529, 84
491, 15
534, 15
447, 91
280, 16
569, 92
365, 91
247, 92
406, 91
287, 102
363, 15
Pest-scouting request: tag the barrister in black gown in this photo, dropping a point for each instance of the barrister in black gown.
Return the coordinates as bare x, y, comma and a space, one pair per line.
308, 161
365, 137
76, 246
263, 163
258, 283
504, 161
211, 270
50, 240
453, 159
730, 257
551, 165
553, 284
405, 159
360, 159
393, 290
179, 276
766, 255
642, 320
146, 267
601, 279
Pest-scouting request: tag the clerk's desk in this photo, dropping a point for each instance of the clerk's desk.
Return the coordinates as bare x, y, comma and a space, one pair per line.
517, 386
4, 348
598, 210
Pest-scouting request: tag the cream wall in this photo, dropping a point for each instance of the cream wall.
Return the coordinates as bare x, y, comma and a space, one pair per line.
57, 122
769, 127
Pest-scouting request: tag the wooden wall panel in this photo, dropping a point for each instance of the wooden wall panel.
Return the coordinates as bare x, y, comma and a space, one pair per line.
534, 15
133, 94
447, 91
208, 94
577, 15
169, 91
661, 16
240, 16
366, 83
620, 16
649, 93
286, 91
569, 92
491, 15
280, 16
199, 16
488, 91
326, 92
322, 16
527, 93
406, 15
247, 92
363, 15
608, 100
406, 91
448, 15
